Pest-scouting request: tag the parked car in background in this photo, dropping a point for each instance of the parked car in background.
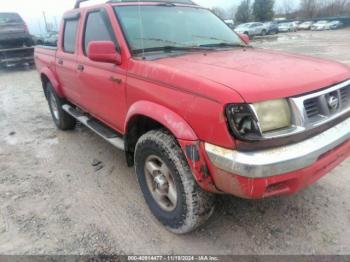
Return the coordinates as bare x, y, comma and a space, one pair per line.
251, 29
49, 39
334, 25
271, 27
287, 27
295, 25
14, 31
38, 39
320, 25
15, 41
306, 25
230, 23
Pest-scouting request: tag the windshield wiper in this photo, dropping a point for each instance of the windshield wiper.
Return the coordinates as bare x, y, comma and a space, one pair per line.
170, 48
160, 40
223, 44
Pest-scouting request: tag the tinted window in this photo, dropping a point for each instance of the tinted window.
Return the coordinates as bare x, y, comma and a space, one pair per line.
96, 29
148, 27
70, 35
8, 18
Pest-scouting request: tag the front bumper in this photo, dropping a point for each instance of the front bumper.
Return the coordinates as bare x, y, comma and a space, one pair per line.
298, 163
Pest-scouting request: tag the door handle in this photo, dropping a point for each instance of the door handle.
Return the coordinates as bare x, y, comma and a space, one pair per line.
115, 80
60, 61
80, 68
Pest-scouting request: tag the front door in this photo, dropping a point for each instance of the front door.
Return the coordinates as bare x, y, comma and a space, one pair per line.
102, 85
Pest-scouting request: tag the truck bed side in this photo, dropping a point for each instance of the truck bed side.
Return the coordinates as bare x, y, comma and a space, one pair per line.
45, 57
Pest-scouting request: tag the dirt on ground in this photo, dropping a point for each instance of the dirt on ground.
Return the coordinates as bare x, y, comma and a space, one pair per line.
56, 199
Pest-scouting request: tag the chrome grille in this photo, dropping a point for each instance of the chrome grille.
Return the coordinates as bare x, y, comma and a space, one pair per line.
345, 95
326, 103
312, 107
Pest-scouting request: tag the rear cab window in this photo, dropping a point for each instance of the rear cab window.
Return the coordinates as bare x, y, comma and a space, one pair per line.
70, 32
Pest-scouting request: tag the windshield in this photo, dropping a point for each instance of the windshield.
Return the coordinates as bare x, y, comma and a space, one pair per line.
6, 18
150, 27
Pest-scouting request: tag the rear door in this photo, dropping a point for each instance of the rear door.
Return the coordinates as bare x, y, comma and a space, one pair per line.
102, 85
66, 57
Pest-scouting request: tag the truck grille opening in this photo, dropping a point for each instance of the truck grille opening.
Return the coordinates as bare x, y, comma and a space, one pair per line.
345, 96
323, 105
312, 107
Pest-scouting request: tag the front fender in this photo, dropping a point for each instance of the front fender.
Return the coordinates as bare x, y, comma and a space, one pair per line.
47, 73
168, 118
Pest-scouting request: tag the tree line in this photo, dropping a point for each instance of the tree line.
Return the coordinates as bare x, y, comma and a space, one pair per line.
264, 10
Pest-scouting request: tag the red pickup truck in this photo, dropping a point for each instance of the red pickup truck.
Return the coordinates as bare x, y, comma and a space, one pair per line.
197, 110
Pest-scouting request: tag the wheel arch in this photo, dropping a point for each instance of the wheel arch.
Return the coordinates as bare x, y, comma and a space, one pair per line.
47, 76
144, 116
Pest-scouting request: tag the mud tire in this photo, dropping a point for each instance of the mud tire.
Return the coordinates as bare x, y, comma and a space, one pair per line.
194, 206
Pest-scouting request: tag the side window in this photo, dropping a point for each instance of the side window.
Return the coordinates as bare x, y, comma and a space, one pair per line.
97, 28
70, 35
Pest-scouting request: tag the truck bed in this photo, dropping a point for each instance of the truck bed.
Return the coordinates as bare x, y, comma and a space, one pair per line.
45, 56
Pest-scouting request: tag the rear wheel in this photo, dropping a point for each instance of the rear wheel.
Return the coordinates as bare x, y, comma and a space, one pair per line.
263, 32
62, 119
167, 183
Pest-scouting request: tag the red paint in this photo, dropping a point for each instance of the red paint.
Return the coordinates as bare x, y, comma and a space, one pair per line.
199, 167
104, 52
187, 94
284, 184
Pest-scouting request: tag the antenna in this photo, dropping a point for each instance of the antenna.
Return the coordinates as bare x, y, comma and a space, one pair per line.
78, 2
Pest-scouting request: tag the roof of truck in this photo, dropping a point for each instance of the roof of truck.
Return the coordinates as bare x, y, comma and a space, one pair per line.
160, 1
74, 12
142, 2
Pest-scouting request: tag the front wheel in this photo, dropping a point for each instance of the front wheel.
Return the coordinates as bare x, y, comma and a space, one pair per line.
167, 183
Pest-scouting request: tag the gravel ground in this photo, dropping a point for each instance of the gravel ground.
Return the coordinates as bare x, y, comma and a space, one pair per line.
54, 201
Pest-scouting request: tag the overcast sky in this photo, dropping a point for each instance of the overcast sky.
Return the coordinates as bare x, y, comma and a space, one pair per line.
31, 10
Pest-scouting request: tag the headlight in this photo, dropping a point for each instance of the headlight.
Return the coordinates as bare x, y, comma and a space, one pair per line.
252, 121
273, 115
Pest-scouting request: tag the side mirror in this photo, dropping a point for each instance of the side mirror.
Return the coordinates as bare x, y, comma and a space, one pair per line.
245, 38
103, 51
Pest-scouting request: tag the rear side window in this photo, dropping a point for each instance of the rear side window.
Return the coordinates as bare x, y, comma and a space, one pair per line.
97, 28
70, 35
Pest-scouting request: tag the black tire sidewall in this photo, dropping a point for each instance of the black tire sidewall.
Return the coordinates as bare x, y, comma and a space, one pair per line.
64, 121
50, 91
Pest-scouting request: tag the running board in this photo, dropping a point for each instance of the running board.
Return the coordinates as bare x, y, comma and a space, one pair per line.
100, 129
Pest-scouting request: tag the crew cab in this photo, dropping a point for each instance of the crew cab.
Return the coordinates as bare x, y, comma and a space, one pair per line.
197, 110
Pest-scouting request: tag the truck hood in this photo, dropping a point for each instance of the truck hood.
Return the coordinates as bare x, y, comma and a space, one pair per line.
258, 74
